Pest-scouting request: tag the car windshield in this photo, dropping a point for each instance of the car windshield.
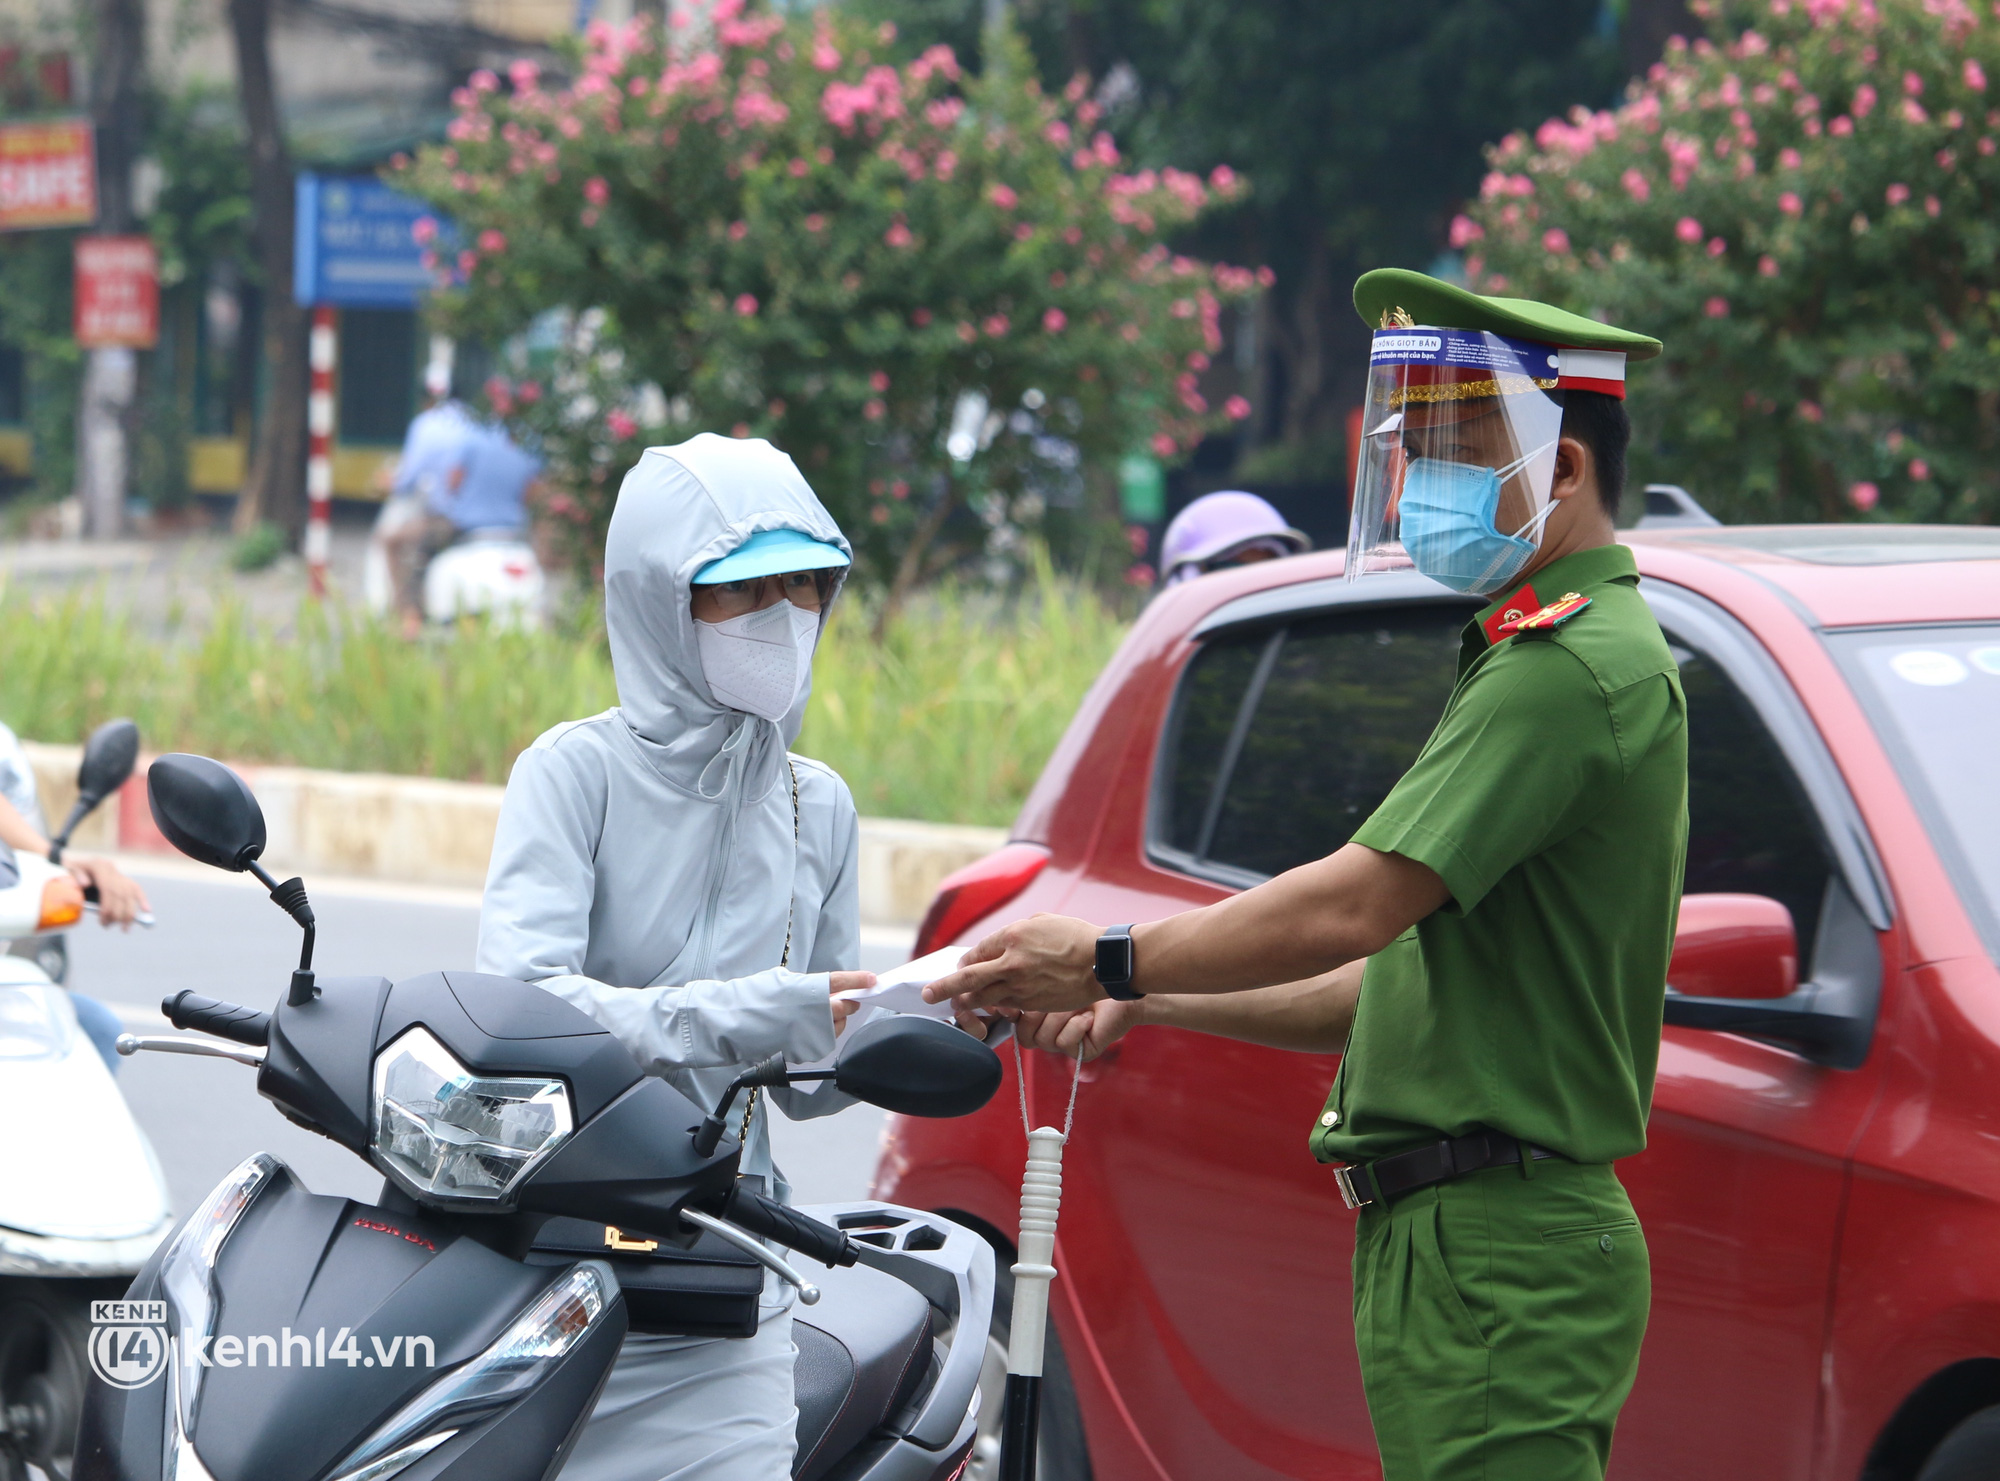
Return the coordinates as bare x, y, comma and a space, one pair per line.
1934, 693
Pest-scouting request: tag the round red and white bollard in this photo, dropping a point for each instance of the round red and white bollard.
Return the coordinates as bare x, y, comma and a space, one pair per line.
319, 450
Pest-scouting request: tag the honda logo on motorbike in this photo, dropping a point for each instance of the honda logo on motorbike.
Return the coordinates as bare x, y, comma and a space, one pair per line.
128, 1341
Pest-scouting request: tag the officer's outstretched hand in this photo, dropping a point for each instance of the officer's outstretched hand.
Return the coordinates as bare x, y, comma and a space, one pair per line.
1042, 964
1093, 1029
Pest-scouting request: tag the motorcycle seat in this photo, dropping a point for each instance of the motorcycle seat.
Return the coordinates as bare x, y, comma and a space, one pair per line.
864, 1352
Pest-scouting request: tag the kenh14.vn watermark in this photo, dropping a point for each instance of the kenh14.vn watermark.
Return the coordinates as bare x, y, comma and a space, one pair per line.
129, 1346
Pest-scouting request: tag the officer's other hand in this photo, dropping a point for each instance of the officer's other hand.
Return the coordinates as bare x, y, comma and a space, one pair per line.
119, 898
971, 1022
1042, 964
843, 1008
1094, 1029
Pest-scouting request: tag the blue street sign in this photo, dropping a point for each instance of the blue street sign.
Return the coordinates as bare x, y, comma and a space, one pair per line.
355, 244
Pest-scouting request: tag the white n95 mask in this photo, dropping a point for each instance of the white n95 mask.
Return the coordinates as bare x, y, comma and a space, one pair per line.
761, 662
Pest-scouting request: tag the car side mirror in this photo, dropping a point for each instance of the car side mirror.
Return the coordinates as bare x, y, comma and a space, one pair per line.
1734, 946
108, 758
205, 811
917, 1067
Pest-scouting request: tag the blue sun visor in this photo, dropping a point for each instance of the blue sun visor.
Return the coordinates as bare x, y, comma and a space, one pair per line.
767, 553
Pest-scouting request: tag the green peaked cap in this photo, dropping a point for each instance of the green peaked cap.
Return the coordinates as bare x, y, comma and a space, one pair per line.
1442, 305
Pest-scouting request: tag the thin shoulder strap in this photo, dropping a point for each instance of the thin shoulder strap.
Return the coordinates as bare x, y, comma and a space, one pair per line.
756, 1091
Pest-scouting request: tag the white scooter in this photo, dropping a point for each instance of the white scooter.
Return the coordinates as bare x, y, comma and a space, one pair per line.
487, 573
82, 1200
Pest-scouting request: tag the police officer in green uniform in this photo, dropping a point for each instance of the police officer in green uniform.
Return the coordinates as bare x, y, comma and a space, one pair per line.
1490, 948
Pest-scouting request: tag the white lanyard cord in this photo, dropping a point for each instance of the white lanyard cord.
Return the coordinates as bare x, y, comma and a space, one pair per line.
1021, 1084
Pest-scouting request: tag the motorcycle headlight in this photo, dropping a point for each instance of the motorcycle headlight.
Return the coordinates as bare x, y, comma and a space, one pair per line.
187, 1273
519, 1358
452, 1134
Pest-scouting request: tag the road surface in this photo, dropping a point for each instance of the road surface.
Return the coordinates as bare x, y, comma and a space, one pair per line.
220, 935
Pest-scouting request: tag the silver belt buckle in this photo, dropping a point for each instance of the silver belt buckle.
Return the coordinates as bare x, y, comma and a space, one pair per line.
1343, 1178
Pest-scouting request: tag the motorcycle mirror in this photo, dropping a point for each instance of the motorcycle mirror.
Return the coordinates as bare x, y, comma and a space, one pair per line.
205, 811
108, 758
917, 1067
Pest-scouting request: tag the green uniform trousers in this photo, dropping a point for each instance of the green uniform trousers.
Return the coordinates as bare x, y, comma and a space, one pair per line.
1498, 1318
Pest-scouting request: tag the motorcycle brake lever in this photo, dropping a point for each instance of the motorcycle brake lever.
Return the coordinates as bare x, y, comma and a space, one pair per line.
808, 1292
129, 1044
143, 918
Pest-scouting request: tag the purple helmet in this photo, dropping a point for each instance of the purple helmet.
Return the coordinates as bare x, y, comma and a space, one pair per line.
1219, 529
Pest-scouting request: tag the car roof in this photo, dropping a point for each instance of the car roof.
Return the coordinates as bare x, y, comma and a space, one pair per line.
1851, 575
1847, 575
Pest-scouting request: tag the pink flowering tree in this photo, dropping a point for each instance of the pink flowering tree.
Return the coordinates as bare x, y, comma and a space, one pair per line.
941, 294
1805, 207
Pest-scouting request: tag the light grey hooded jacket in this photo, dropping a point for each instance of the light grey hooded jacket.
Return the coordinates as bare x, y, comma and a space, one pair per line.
645, 862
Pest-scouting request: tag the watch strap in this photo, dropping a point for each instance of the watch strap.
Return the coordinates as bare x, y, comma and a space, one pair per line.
1115, 965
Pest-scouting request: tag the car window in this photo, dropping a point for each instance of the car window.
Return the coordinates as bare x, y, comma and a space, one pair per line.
1751, 830
1284, 741
1211, 700
1345, 704
1934, 695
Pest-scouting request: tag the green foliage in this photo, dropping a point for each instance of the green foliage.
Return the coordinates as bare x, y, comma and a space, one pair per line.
259, 548
35, 284
202, 217
1802, 206
784, 236
952, 715
338, 691
1361, 125
949, 719
203, 213
200, 223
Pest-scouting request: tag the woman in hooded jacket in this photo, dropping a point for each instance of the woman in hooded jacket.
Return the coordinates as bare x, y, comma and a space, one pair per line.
669, 868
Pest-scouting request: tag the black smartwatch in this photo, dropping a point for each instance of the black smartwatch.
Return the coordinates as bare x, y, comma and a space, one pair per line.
1114, 964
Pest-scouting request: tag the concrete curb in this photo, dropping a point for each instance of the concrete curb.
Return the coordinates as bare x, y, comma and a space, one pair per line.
417, 830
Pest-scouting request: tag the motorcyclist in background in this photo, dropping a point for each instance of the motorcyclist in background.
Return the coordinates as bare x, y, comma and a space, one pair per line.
120, 900
1224, 529
432, 458
671, 870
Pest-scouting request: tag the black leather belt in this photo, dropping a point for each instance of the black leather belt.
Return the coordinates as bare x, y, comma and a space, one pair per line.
1386, 1178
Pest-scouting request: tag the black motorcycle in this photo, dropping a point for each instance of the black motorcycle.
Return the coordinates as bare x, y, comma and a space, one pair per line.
542, 1196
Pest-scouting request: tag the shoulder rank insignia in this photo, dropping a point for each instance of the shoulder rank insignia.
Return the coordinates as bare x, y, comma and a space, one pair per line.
1553, 615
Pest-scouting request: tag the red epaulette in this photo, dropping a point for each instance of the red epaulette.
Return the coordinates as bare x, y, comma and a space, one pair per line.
1553, 615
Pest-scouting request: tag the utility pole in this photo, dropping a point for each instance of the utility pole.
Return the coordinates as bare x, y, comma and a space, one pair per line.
111, 376
275, 487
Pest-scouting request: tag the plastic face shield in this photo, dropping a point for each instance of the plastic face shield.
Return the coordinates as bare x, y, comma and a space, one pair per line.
1444, 408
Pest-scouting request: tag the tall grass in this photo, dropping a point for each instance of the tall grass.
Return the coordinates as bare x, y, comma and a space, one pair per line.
338, 691
949, 718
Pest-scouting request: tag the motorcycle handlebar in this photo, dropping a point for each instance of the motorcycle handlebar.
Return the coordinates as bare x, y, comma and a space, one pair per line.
751, 1210
190, 1010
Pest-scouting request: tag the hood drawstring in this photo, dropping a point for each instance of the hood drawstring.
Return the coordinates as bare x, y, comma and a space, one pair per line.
733, 749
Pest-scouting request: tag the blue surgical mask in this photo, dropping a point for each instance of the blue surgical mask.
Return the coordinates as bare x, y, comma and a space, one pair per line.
1446, 515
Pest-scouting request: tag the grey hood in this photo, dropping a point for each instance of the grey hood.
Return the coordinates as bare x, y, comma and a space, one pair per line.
650, 866
680, 508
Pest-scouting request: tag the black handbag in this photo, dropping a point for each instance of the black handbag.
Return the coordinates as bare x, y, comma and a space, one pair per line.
710, 1290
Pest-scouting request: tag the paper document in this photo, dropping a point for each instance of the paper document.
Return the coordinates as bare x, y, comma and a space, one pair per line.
900, 991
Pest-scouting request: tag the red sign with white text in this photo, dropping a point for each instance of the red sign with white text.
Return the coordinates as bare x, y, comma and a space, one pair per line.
48, 174
117, 293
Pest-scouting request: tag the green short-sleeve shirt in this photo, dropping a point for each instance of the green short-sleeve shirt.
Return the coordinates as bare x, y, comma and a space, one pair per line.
1552, 801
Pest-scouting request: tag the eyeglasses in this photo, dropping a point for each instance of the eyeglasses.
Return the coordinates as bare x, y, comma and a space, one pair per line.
808, 590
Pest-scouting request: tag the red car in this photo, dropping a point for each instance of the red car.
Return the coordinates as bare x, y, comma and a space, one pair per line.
1821, 1192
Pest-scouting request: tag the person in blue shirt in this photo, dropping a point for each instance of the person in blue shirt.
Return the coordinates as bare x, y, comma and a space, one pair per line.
471, 477
433, 446
488, 489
